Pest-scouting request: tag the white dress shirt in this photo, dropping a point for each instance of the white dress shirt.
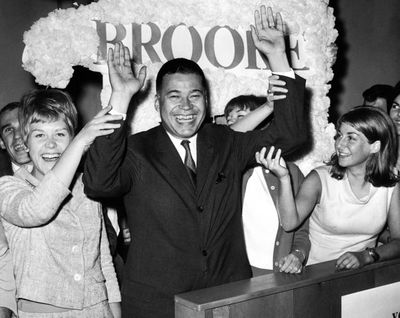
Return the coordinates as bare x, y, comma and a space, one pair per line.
181, 151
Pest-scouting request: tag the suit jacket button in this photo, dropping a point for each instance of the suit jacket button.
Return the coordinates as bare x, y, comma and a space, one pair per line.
200, 209
204, 252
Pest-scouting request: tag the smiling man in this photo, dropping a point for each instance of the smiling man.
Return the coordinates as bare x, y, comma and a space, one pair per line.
11, 138
14, 157
181, 181
183, 98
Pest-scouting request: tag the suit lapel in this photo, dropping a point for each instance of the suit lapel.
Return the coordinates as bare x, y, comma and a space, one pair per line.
168, 163
205, 156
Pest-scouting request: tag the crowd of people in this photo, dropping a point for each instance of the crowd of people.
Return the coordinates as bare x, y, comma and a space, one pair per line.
206, 204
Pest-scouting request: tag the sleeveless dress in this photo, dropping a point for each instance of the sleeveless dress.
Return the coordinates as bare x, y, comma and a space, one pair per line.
341, 222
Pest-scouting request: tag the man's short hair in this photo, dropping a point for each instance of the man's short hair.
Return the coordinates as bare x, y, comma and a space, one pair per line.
183, 66
376, 91
9, 107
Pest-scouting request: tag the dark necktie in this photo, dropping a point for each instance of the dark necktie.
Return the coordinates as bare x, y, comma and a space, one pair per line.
189, 162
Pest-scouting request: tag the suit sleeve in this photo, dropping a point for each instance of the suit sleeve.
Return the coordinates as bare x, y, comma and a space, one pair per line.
105, 173
301, 240
287, 131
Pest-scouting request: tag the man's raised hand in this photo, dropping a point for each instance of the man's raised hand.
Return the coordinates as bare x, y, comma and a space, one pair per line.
123, 80
268, 32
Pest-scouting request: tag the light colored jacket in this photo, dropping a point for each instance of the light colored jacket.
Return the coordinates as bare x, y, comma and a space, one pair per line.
58, 242
7, 283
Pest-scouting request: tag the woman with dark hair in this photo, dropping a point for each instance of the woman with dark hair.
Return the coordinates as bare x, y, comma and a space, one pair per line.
350, 199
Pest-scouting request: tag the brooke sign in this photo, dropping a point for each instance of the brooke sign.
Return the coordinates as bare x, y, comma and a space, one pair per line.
215, 47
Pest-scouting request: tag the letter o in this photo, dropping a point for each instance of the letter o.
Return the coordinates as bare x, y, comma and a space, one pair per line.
166, 43
210, 50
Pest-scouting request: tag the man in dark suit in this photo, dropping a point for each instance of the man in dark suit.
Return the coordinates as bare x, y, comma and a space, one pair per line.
183, 200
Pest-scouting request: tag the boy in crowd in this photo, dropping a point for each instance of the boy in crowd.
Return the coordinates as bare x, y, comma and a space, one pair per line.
269, 247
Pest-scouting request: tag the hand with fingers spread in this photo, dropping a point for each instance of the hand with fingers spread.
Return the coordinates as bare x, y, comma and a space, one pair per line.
275, 164
268, 32
290, 264
123, 81
100, 125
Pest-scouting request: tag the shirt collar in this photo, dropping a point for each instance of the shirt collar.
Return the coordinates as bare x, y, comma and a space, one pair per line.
24, 174
177, 141
181, 151
28, 167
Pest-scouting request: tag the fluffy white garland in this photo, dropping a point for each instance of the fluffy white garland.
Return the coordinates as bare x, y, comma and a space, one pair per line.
67, 37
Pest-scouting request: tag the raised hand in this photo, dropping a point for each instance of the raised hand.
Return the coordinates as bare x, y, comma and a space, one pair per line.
268, 33
100, 125
123, 80
275, 164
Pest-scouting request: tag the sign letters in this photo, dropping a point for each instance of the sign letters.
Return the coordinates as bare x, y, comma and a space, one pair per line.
214, 47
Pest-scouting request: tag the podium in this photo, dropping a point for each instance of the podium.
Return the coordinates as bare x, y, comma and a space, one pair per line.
315, 293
